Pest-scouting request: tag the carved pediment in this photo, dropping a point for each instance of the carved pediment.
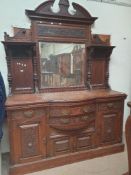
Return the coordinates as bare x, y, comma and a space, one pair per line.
44, 12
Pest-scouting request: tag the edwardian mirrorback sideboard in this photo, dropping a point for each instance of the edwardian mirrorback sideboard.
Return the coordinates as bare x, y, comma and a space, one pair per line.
61, 108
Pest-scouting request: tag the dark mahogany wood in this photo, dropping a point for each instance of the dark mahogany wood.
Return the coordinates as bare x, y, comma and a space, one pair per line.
48, 125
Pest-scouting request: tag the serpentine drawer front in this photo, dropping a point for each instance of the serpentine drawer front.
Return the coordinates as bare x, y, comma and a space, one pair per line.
72, 117
73, 110
72, 122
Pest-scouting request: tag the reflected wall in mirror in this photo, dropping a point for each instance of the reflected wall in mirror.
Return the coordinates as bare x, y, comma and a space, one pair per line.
62, 64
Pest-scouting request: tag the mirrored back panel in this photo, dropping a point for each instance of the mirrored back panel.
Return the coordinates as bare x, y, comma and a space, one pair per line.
62, 64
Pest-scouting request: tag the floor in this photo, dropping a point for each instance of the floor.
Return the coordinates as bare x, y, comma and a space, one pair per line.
115, 164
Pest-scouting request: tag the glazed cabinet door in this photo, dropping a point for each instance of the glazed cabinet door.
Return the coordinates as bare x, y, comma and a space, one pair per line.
27, 135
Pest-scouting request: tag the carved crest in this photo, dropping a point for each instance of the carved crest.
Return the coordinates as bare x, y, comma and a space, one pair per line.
44, 12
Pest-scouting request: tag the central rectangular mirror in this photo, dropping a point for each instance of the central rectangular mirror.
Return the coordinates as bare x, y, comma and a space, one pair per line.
62, 64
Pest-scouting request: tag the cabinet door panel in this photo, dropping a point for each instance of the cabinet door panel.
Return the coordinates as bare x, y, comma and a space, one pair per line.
28, 139
20, 69
111, 127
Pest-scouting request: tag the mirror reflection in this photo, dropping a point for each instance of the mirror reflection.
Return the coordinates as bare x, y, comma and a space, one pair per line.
62, 64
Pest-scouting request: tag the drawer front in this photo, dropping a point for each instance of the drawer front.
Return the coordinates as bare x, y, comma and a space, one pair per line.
28, 114
83, 141
76, 110
113, 105
72, 122
58, 145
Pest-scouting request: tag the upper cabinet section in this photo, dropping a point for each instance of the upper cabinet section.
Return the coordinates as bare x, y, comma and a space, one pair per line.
58, 52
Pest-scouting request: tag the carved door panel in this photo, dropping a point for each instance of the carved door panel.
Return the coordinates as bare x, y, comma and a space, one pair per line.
110, 121
28, 136
111, 127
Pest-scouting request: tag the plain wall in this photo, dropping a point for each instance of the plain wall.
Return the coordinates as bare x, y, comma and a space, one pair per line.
112, 19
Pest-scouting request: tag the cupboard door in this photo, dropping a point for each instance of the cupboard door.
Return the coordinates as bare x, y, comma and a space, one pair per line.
111, 127
21, 67
28, 136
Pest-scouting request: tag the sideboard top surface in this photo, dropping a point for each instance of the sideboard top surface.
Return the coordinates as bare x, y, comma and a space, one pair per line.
61, 97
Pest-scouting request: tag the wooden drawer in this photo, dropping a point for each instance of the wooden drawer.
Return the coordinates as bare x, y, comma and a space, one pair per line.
72, 122
74, 110
83, 141
58, 145
26, 114
112, 105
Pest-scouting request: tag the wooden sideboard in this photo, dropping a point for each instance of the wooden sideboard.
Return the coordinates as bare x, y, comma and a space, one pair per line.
60, 108
52, 129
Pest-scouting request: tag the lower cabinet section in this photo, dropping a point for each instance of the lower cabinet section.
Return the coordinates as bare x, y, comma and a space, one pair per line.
56, 134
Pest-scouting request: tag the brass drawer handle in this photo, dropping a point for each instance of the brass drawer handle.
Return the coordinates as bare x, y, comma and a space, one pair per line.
28, 113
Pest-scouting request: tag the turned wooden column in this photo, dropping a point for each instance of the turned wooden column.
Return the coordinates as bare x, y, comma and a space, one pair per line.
128, 139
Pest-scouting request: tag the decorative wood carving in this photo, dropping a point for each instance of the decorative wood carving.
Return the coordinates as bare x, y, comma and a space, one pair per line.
29, 140
44, 12
109, 127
